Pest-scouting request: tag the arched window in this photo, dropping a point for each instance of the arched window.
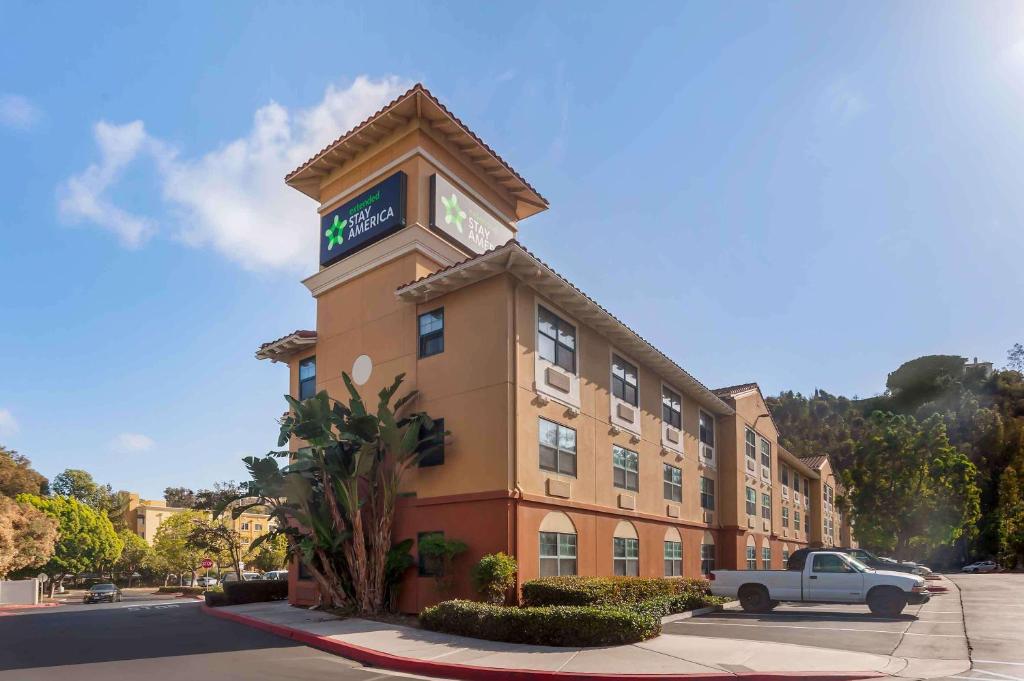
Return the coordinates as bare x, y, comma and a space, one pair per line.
626, 550
785, 556
751, 553
707, 554
557, 545
766, 554
673, 553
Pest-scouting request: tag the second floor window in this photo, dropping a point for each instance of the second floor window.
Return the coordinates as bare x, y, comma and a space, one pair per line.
807, 488
707, 494
245, 526
766, 506
751, 445
625, 469
671, 408
784, 475
673, 483
431, 329
751, 501
673, 559
796, 520
785, 516
307, 378
556, 340
557, 448
624, 381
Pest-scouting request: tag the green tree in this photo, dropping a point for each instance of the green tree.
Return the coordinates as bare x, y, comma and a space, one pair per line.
87, 540
335, 502
18, 477
910, 487
217, 537
179, 497
270, 554
494, 576
1015, 358
172, 551
80, 485
27, 536
135, 554
208, 499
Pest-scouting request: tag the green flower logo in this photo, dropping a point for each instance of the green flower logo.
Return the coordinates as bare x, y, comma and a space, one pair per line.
452, 212
336, 233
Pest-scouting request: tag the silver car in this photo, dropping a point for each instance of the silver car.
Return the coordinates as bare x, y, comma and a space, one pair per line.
981, 566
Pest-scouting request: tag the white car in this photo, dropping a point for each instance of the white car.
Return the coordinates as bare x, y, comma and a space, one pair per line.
981, 566
822, 577
276, 575
207, 581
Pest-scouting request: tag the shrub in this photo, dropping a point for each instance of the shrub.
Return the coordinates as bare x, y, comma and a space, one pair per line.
608, 590
215, 599
438, 554
551, 626
494, 575
255, 592
187, 590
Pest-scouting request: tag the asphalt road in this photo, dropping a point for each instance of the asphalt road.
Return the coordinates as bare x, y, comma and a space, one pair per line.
156, 640
993, 615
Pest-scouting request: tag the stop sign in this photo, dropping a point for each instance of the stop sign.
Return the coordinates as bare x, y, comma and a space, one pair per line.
207, 563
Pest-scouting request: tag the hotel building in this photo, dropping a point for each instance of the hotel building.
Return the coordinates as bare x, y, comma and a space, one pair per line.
576, 445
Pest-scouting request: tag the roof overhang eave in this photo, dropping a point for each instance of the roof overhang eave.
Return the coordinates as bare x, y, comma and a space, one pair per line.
280, 351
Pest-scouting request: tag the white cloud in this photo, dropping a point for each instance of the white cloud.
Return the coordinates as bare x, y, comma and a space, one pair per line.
17, 112
130, 443
232, 198
8, 424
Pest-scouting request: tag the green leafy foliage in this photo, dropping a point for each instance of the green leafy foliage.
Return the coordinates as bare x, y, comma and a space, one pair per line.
439, 554
172, 551
18, 477
577, 590
27, 536
494, 575
257, 591
551, 626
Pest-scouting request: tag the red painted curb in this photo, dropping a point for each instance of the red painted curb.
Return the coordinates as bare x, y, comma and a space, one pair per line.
376, 658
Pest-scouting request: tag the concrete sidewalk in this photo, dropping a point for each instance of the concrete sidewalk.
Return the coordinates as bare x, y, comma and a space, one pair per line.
418, 651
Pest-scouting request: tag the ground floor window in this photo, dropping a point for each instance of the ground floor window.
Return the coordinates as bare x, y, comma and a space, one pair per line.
785, 559
766, 557
673, 559
707, 558
557, 554
751, 557
626, 556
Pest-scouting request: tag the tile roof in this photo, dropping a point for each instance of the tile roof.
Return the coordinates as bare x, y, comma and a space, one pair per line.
728, 391
814, 462
299, 333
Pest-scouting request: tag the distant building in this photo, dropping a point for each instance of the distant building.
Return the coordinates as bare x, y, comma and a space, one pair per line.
984, 368
144, 517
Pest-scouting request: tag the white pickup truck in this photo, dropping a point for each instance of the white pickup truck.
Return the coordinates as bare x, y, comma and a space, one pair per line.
824, 577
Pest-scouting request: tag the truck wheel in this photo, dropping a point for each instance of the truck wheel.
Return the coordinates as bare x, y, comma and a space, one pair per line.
754, 598
887, 602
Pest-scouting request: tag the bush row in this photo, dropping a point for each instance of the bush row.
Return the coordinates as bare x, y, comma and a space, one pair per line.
237, 593
187, 590
551, 626
608, 590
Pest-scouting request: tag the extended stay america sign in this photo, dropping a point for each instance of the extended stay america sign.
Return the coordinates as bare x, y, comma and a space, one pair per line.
374, 214
463, 220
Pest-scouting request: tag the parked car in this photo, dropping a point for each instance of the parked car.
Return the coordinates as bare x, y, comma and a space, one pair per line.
822, 577
207, 581
276, 575
246, 577
981, 566
871, 560
99, 593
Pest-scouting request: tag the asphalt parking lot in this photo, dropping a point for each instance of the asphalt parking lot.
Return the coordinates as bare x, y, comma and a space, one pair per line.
931, 631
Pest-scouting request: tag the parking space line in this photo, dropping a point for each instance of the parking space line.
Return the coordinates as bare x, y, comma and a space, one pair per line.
1016, 664
895, 632
1001, 676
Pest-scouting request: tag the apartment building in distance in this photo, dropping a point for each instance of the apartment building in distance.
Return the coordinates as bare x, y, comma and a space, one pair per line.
576, 445
144, 517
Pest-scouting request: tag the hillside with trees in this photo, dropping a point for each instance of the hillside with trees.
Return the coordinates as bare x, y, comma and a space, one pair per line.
941, 400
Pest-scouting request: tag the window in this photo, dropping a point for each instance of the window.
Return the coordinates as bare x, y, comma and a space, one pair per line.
428, 567
557, 448
796, 520
626, 557
751, 557
707, 558
807, 488
259, 528
766, 506
707, 433
557, 554
766, 557
751, 501
707, 494
828, 495
673, 483
830, 562
434, 454
432, 332
671, 408
624, 385
307, 378
751, 445
785, 559
784, 475
625, 468
785, 516
807, 523
245, 526
673, 559
556, 340
796, 484
766, 453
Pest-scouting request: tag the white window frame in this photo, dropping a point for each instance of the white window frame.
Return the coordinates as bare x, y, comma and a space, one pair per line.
674, 562
557, 470
633, 426
748, 502
625, 477
558, 558
541, 366
702, 447
751, 557
665, 426
630, 564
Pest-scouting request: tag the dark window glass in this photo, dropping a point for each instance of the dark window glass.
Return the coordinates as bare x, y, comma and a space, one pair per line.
751, 444
673, 483
707, 494
766, 557
785, 516
557, 448
671, 408
624, 381
751, 557
625, 468
830, 563
433, 455
428, 567
807, 487
707, 558
766, 506
556, 340
673, 559
431, 329
557, 554
707, 429
766, 453
751, 501
626, 557
784, 476
307, 378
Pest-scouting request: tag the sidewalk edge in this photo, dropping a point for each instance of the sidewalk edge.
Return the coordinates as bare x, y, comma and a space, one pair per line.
376, 658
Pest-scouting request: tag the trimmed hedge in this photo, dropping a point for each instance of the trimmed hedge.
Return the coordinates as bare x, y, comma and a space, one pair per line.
550, 626
187, 590
609, 590
215, 599
258, 591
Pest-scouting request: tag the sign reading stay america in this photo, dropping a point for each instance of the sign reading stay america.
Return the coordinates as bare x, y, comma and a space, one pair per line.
461, 219
369, 217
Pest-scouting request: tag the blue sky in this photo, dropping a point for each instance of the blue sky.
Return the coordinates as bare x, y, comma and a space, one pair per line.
825, 190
